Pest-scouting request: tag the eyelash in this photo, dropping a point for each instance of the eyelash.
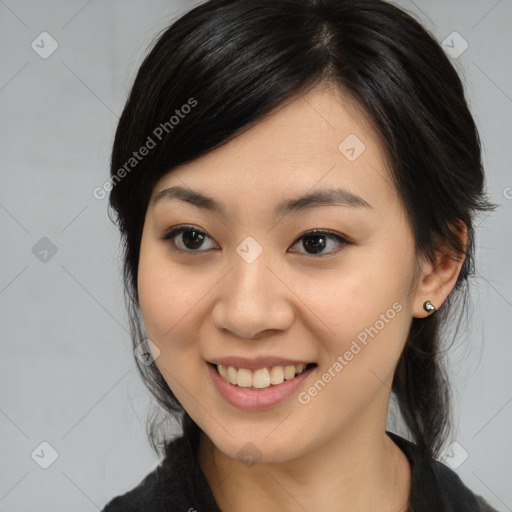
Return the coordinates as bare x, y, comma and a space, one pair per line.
174, 232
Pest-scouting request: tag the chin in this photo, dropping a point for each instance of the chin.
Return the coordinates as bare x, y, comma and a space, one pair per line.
254, 446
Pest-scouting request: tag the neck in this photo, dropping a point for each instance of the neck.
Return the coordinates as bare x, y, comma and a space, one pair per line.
358, 469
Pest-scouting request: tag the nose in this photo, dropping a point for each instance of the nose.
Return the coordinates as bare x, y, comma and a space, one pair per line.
253, 300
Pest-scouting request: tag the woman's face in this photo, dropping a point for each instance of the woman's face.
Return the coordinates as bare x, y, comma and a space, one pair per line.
248, 281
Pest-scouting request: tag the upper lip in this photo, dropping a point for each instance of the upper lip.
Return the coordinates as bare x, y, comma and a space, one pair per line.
256, 362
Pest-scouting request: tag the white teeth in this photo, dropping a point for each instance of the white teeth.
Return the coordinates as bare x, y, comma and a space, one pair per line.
261, 378
289, 372
276, 375
223, 371
244, 378
232, 375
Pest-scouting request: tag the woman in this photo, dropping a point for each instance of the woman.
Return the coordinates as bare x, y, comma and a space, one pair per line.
296, 182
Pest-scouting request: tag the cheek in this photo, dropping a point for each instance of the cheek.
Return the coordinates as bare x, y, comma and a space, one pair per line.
168, 295
364, 313
360, 354
170, 300
350, 300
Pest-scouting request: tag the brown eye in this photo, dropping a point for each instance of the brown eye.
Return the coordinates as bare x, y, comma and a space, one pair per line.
192, 239
314, 242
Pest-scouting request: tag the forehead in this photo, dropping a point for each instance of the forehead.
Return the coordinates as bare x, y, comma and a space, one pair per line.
319, 140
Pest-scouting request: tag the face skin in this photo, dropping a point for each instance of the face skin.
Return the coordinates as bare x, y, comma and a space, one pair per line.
332, 452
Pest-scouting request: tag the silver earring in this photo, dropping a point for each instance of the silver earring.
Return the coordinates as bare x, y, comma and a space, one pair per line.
429, 307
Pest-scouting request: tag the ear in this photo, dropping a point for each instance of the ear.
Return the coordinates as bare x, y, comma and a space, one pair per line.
437, 279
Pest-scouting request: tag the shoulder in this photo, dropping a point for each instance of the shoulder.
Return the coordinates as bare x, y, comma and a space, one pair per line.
141, 497
435, 486
165, 481
460, 497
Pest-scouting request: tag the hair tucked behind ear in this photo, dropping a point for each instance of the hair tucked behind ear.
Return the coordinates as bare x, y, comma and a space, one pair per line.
238, 60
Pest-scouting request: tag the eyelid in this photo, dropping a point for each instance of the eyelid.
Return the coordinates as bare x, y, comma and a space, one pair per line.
321, 231
177, 230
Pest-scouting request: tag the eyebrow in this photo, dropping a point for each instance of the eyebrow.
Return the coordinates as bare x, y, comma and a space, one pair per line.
326, 197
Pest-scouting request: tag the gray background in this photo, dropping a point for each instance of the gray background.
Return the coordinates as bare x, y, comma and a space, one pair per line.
67, 372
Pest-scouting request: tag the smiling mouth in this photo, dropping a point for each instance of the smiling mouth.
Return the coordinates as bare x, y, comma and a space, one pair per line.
261, 378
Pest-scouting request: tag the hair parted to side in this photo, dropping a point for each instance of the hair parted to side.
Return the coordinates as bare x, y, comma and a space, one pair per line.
239, 60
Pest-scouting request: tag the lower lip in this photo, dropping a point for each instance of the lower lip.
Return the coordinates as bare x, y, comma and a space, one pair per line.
257, 400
